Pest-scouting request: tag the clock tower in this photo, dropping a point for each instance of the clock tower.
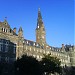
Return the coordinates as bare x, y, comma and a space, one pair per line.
40, 30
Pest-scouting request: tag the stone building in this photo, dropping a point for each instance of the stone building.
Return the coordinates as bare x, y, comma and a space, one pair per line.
39, 47
7, 51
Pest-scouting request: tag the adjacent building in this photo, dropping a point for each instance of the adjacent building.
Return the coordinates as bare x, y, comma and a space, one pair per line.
7, 51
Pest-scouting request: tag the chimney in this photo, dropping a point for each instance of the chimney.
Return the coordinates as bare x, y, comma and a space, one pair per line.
62, 46
14, 29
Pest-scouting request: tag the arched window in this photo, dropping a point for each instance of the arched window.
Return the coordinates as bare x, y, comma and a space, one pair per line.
2, 29
10, 30
6, 30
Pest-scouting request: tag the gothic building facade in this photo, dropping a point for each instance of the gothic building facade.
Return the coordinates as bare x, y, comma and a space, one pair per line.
38, 48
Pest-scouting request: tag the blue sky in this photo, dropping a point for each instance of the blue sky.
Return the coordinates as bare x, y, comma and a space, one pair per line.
58, 18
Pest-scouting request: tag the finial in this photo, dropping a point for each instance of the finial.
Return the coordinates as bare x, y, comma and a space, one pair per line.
39, 9
5, 21
20, 29
5, 18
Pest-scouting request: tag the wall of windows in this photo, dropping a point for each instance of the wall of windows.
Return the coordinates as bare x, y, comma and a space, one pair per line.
7, 50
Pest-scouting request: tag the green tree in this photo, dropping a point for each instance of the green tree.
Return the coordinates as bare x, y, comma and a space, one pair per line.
51, 64
27, 65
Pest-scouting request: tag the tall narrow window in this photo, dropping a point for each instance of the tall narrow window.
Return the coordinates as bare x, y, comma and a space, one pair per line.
2, 29
6, 49
27, 42
0, 47
6, 30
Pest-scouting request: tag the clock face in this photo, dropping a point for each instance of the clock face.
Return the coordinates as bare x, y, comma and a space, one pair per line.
38, 26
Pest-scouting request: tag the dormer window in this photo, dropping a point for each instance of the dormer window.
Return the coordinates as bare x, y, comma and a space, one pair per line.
37, 45
6, 30
27, 42
34, 44
3, 29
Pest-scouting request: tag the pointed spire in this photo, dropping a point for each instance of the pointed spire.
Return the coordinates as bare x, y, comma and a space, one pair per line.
20, 29
39, 14
39, 8
39, 20
40, 30
5, 21
20, 32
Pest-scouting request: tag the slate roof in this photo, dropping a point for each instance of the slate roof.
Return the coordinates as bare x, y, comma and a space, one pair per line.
32, 43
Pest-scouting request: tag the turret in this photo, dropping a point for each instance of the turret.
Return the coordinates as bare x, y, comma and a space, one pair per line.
14, 29
20, 32
5, 21
20, 42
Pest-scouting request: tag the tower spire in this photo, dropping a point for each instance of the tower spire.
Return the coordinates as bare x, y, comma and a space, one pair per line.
39, 20
5, 21
39, 9
39, 15
20, 29
20, 32
40, 30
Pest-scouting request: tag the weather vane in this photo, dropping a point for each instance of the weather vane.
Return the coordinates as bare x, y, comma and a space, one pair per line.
5, 17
